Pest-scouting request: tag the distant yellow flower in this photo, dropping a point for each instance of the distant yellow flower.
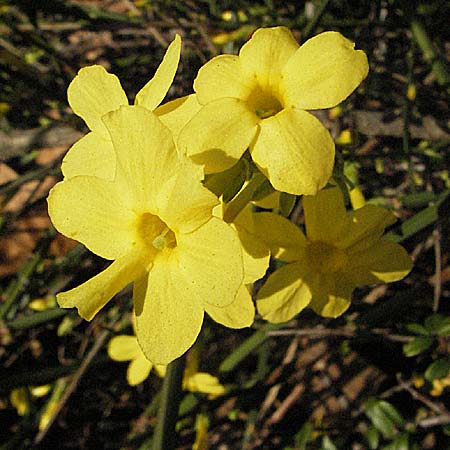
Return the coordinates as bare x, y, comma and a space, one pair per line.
439, 386
341, 251
259, 100
93, 93
155, 221
126, 348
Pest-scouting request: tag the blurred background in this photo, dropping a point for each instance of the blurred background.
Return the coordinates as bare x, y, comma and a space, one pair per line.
378, 377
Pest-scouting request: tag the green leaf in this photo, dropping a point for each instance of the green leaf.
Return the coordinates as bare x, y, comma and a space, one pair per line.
401, 442
432, 322
383, 416
304, 436
391, 412
219, 182
373, 437
287, 203
327, 444
438, 325
235, 184
417, 345
263, 191
438, 369
417, 328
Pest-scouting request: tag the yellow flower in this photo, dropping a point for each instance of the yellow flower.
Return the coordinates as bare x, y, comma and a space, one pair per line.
126, 348
341, 251
93, 93
155, 221
258, 100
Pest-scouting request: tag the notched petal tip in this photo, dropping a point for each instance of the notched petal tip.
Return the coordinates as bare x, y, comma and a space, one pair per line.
93, 93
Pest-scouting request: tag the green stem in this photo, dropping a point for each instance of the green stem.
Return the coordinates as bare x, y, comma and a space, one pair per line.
426, 46
35, 319
312, 24
243, 198
171, 395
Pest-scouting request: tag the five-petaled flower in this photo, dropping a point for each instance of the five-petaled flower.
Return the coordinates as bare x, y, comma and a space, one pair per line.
259, 100
342, 250
154, 219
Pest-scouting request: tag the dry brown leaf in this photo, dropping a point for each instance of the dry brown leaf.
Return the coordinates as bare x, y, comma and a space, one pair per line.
19, 240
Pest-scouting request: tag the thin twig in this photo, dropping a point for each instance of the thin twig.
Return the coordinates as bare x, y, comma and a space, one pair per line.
100, 340
423, 399
339, 332
438, 268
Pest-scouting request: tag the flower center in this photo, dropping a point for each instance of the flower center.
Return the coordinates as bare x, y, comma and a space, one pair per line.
264, 103
326, 258
154, 233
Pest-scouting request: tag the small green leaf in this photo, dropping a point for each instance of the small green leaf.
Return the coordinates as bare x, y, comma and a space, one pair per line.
417, 328
401, 442
373, 437
287, 203
383, 416
263, 191
433, 322
327, 444
438, 369
444, 329
235, 184
417, 345
304, 436
391, 412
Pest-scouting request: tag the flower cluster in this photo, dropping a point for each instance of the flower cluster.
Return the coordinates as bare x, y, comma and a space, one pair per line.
135, 191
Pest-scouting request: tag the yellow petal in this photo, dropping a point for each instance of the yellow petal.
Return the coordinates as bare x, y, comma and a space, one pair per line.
357, 198
218, 134
285, 293
323, 72
160, 370
331, 294
153, 93
138, 370
366, 225
256, 257
205, 383
221, 77
89, 210
177, 113
91, 155
286, 240
240, 314
264, 56
295, 151
325, 216
146, 155
92, 295
210, 261
93, 93
184, 204
255, 253
169, 320
385, 261
124, 348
